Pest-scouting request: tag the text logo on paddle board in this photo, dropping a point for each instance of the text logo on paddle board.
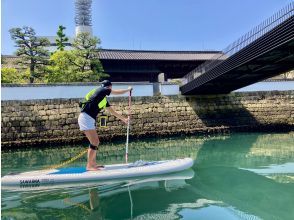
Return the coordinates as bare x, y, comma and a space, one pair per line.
29, 182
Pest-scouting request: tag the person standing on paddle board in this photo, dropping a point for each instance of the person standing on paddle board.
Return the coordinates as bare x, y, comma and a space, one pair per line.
94, 102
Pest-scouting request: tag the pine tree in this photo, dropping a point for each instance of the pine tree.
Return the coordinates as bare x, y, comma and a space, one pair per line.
85, 47
61, 38
30, 48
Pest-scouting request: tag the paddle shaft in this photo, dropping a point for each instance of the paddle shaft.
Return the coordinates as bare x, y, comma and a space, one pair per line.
128, 128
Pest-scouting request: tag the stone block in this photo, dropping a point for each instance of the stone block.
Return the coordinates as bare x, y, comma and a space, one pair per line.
5, 119
15, 123
52, 117
41, 112
71, 120
51, 107
57, 133
26, 119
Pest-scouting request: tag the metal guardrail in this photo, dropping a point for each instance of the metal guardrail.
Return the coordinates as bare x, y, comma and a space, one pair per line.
254, 34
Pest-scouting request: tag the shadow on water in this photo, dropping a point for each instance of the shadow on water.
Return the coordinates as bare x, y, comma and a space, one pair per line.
224, 177
220, 177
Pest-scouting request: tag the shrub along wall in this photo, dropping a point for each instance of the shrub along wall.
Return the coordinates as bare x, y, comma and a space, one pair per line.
55, 121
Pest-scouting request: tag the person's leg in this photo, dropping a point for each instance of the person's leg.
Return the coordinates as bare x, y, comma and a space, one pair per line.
94, 142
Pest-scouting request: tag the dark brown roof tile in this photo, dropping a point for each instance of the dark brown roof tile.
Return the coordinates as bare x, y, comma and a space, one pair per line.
156, 55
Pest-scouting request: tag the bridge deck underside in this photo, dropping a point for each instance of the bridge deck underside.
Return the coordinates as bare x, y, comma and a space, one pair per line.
268, 56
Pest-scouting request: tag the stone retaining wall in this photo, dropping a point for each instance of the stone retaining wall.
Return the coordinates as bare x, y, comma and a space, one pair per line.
55, 121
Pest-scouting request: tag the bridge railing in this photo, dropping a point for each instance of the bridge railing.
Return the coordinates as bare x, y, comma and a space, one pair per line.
258, 31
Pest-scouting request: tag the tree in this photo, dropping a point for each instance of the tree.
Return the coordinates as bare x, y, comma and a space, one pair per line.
61, 38
31, 49
289, 75
86, 51
11, 75
60, 68
97, 69
8, 75
78, 65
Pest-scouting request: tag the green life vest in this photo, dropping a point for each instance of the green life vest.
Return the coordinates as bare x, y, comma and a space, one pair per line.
101, 104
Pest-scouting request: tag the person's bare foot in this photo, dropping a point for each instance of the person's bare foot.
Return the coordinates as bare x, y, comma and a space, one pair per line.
93, 164
92, 168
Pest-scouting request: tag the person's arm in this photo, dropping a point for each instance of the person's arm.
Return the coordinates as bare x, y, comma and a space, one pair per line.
113, 112
121, 91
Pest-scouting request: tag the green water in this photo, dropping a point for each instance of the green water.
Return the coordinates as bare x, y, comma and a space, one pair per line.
235, 176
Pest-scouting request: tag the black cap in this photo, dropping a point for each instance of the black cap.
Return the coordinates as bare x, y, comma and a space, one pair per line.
106, 83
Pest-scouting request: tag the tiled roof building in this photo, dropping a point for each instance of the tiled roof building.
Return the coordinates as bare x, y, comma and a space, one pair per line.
143, 65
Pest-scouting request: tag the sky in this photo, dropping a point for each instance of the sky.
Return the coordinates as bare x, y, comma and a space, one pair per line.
182, 25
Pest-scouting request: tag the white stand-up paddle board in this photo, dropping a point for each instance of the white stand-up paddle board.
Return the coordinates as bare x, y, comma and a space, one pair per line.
80, 174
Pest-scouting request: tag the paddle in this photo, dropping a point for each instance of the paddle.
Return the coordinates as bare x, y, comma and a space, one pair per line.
128, 128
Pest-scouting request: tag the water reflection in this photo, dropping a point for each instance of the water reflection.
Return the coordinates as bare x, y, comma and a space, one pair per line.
225, 172
238, 176
93, 199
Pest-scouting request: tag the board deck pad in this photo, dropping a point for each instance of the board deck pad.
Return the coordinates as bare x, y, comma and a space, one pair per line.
75, 170
70, 170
